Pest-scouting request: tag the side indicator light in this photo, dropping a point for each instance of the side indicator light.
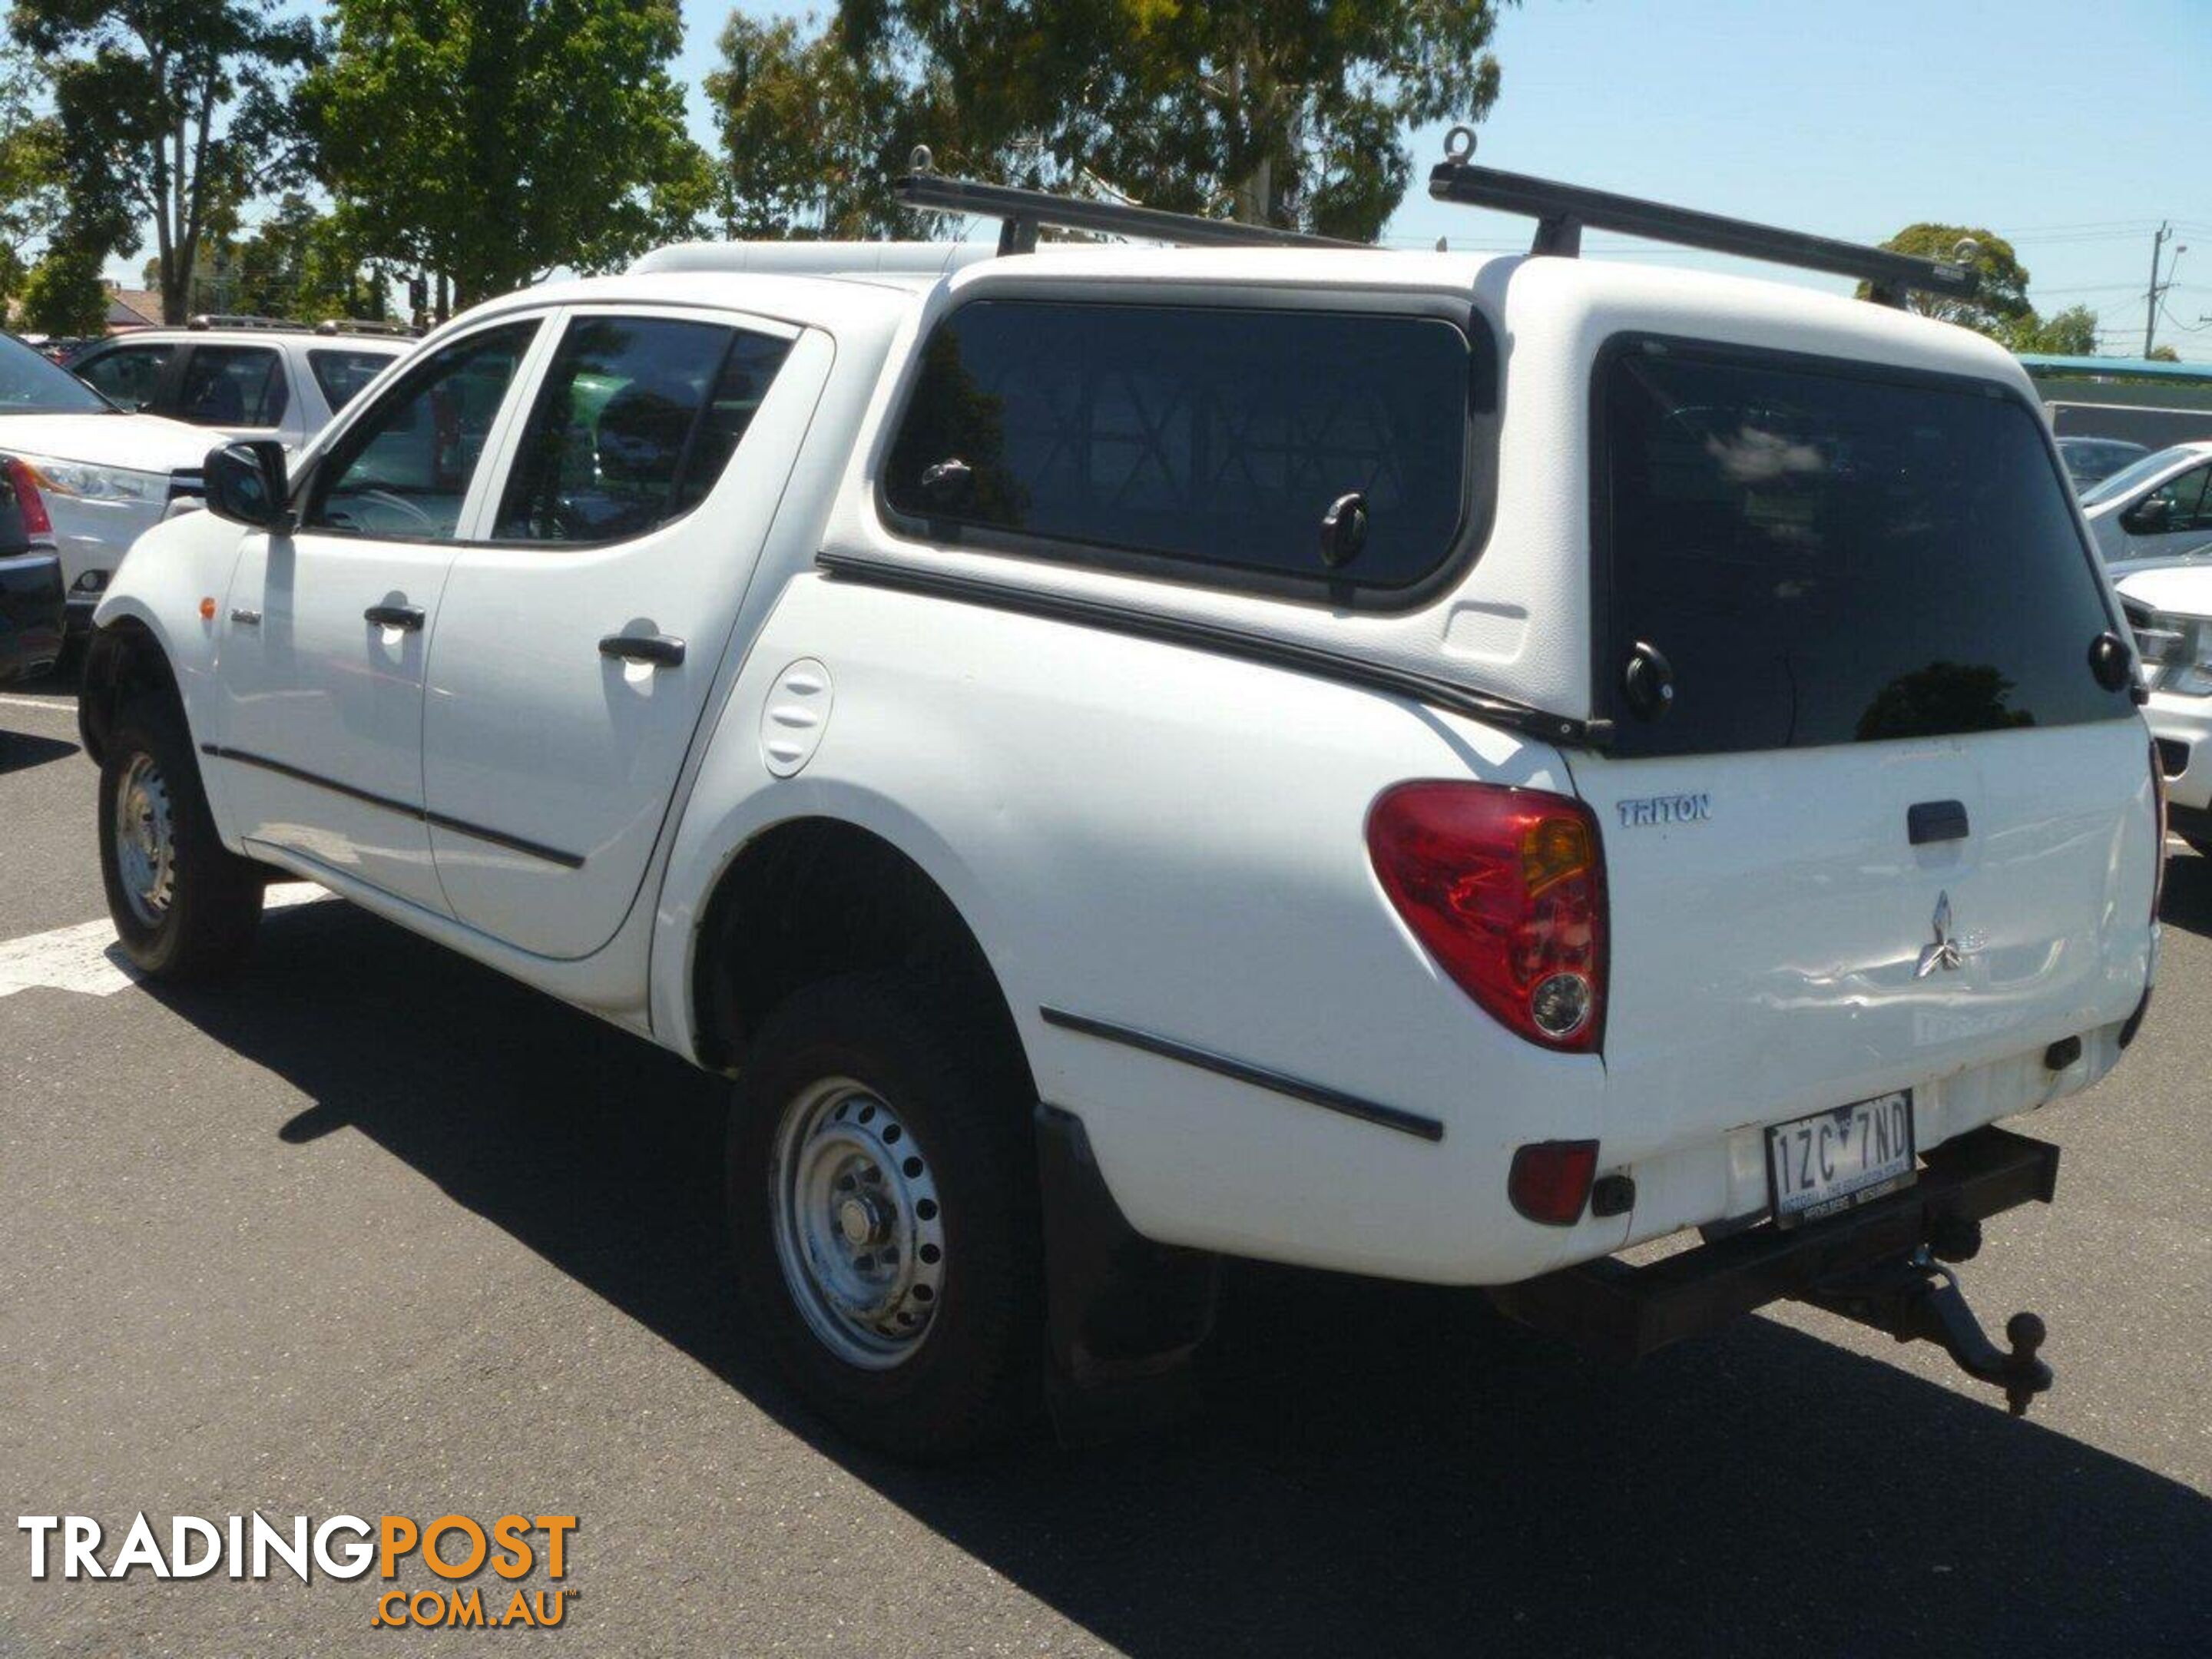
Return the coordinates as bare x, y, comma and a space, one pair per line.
207, 610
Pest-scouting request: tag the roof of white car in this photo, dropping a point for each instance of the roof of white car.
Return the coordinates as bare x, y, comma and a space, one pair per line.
823, 283
302, 335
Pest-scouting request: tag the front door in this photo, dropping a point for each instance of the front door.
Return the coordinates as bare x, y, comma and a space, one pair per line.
326, 631
582, 630
2174, 518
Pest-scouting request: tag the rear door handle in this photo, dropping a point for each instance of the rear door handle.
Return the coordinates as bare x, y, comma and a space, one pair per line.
406, 617
661, 650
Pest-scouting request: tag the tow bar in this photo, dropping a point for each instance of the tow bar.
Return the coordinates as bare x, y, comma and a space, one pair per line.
1880, 1265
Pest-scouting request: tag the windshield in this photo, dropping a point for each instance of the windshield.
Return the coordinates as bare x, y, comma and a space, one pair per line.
29, 385
2129, 478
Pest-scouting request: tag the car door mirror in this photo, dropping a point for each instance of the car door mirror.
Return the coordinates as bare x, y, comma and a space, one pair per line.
2149, 517
245, 484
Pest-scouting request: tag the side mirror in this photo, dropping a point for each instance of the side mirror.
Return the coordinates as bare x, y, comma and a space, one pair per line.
245, 484
2149, 517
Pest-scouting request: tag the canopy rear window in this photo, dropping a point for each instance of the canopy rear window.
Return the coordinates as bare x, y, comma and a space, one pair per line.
1198, 442
1826, 553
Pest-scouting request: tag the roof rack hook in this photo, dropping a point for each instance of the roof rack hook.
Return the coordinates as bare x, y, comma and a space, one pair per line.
1459, 144
1964, 251
918, 160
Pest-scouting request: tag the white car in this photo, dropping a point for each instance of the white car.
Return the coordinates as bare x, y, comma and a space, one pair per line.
2159, 510
1129, 755
265, 381
2170, 609
106, 475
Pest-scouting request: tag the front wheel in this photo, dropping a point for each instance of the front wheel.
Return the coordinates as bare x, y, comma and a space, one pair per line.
882, 1194
185, 906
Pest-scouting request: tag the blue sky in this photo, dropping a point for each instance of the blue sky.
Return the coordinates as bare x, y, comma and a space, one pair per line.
2071, 128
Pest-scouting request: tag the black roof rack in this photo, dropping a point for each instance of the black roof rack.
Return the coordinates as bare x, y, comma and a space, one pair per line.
1021, 212
1562, 211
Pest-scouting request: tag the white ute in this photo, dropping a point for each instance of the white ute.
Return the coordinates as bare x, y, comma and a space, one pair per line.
1434, 766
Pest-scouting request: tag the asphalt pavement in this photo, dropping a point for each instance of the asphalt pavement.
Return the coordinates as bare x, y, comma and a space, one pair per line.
372, 1230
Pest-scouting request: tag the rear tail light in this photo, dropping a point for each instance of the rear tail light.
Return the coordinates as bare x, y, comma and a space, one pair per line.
1505, 888
31, 504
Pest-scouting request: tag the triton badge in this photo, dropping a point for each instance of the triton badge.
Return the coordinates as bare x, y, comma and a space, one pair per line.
1665, 809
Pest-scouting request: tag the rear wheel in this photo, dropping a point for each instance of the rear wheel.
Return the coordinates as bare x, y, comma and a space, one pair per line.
882, 1189
185, 906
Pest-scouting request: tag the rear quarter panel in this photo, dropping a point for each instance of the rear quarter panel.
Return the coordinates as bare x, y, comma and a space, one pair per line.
1171, 841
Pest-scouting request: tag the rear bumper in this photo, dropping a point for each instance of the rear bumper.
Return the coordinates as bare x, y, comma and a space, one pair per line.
1620, 1312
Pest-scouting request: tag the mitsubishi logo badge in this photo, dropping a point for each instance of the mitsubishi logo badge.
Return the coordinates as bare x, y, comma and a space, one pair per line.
1945, 951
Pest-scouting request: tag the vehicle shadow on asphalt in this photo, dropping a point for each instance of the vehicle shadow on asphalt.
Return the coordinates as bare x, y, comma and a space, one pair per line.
2187, 900
1380, 1468
21, 751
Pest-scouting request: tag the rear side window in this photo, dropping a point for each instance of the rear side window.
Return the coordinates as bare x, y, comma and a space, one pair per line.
342, 374
1204, 443
233, 386
635, 422
1825, 555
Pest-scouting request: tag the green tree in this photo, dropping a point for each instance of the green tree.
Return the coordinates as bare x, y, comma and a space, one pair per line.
2071, 333
166, 108
493, 141
63, 295
2165, 354
31, 199
1280, 111
1998, 308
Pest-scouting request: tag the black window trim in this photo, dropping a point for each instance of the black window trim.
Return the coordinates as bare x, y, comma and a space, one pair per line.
1478, 473
1605, 705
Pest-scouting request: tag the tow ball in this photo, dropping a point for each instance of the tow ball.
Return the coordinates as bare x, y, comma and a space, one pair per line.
1918, 1299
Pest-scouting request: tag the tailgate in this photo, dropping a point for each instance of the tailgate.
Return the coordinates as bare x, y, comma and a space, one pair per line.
1773, 934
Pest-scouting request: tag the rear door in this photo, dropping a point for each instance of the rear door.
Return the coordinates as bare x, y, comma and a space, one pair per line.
581, 628
1845, 627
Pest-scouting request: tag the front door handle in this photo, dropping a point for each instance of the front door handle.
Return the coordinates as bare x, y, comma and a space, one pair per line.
406, 617
661, 650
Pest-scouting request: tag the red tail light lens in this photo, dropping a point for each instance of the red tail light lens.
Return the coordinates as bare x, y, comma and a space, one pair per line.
1550, 1181
31, 504
1505, 888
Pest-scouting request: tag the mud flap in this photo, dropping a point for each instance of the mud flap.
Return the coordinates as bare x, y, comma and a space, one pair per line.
1123, 1315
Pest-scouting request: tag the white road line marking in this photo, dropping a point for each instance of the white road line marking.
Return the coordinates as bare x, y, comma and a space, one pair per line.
44, 704
86, 958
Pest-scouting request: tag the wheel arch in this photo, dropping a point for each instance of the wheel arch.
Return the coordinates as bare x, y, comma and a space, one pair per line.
808, 898
124, 658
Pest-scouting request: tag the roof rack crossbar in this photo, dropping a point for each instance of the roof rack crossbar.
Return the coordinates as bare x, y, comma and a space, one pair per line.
1021, 212
1563, 211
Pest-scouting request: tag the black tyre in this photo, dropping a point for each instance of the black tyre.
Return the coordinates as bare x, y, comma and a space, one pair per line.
185, 906
882, 1194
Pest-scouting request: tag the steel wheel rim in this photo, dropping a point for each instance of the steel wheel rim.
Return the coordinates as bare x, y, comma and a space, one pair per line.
145, 841
860, 1230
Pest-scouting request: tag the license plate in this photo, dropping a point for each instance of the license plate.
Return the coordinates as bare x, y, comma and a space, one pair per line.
1828, 1162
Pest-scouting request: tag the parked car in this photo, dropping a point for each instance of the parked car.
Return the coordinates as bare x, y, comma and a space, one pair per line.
1129, 755
2155, 511
2170, 609
105, 475
2092, 461
258, 381
31, 606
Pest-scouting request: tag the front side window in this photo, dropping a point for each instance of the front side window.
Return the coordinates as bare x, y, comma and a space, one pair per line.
403, 470
2133, 476
635, 422
127, 374
233, 386
1203, 442
342, 374
1824, 554
2175, 504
